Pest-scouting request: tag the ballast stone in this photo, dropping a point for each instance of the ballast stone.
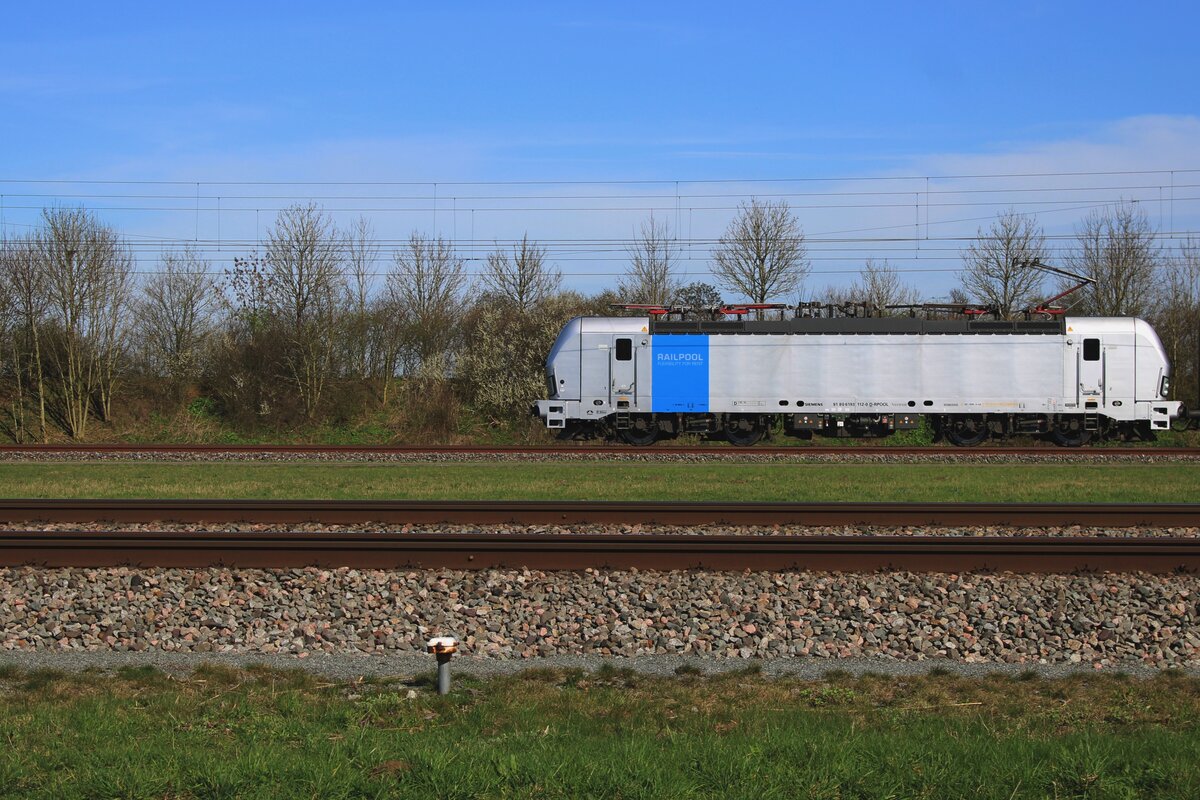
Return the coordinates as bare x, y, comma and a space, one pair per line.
1004, 618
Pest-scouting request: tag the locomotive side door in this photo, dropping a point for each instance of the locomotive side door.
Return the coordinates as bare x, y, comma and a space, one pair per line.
1091, 371
623, 370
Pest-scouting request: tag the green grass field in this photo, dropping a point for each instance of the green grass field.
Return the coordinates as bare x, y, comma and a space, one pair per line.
263, 734
612, 481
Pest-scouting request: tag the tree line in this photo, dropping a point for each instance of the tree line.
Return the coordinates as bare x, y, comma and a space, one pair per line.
323, 327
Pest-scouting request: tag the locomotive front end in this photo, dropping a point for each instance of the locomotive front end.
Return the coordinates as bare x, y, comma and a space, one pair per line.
562, 378
1152, 379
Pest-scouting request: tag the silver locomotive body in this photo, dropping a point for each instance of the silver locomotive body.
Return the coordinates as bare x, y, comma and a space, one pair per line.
640, 379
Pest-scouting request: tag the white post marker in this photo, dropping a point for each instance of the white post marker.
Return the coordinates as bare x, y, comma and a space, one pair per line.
443, 647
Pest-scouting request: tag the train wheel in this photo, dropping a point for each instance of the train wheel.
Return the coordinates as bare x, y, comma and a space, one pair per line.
642, 432
743, 431
1069, 432
967, 430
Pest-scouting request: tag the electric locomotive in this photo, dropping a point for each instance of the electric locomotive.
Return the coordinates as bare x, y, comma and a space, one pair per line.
644, 378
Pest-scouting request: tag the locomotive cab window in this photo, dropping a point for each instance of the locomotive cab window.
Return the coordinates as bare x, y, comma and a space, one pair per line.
1091, 349
624, 349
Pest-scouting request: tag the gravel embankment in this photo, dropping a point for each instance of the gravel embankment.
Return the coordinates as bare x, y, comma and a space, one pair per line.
1109, 620
1050, 456
625, 530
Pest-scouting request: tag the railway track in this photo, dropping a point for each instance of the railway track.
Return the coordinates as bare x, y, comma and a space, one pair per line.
601, 450
554, 512
100, 548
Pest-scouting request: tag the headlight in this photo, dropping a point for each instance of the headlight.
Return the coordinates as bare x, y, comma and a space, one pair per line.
1165, 388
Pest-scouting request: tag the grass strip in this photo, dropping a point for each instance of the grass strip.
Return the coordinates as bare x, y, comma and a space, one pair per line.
612, 733
1016, 483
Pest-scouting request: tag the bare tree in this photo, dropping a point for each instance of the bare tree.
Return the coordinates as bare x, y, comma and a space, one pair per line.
175, 314
1117, 249
1177, 320
10, 350
113, 342
88, 280
8, 302
522, 278
425, 289
762, 254
20, 272
362, 253
304, 285
880, 286
389, 342
649, 278
992, 271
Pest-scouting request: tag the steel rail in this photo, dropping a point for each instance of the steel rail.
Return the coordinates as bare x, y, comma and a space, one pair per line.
552, 512
586, 449
88, 549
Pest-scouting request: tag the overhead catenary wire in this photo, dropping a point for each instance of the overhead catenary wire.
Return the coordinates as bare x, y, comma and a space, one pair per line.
576, 209
914, 247
459, 197
614, 182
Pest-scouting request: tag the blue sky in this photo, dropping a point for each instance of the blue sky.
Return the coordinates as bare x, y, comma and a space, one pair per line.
618, 91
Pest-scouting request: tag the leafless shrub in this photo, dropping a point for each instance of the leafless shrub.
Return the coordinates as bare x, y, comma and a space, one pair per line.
698, 296
425, 289
176, 314
879, 285
304, 287
248, 374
